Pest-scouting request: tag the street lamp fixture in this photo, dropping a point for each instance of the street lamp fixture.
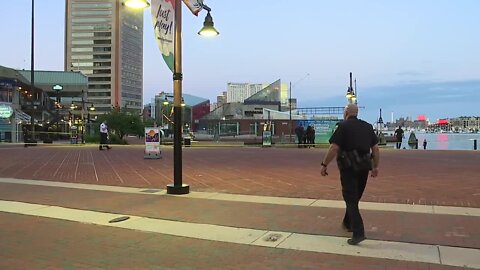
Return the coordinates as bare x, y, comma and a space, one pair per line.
183, 103
72, 106
92, 108
136, 4
350, 93
208, 30
165, 101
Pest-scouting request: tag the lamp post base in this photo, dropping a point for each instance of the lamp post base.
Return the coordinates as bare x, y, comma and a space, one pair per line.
178, 190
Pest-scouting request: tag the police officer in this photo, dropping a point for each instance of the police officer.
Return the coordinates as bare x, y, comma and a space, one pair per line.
353, 134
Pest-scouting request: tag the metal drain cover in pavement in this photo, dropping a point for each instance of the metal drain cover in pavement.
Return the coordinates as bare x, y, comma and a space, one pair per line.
150, 190
119, 219
274, 237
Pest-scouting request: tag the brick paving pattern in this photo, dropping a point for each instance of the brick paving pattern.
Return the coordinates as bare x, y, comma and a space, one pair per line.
448, 178
412, 177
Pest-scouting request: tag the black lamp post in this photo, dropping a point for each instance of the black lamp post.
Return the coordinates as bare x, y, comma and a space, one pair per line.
32, 71
177, 187
91, 108
290, 114
83, 108
208, 30
355, 93
164, 104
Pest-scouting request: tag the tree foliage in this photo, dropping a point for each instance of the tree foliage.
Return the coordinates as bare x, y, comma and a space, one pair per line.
121, 122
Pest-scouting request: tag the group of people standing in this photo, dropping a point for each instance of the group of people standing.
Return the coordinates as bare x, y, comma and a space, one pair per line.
305, 137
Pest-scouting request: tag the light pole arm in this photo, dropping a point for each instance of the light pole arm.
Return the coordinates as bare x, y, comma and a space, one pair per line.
206, 8
290, 102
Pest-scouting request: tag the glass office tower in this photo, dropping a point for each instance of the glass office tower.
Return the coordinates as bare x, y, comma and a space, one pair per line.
104, 41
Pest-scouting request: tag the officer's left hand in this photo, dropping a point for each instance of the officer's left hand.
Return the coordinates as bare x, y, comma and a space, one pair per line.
323, 171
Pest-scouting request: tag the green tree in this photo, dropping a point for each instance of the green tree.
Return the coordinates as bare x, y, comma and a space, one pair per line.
121, 122
150, 123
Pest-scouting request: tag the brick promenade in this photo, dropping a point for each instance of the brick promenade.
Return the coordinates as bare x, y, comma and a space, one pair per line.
442, 178
406, 176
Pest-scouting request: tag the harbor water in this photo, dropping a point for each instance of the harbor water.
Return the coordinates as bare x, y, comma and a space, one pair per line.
443, 141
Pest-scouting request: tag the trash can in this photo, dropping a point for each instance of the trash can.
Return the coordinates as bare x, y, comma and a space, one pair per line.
187, 141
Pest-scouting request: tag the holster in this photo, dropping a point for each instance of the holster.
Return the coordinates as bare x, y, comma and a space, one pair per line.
354, 161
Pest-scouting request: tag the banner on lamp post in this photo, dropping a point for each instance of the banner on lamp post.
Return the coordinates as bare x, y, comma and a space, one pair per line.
195, 6
163, 16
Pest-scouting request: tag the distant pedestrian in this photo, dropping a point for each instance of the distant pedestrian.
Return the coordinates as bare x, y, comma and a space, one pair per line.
104, 136
310, 134
399, 135
299, 131
313, 136
424, 144
304, 138
351, 143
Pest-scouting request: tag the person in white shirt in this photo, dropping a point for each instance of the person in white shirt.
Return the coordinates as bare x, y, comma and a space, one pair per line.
104, 136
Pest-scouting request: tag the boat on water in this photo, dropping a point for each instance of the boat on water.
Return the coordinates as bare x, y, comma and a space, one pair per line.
390, 138
413, 141
384, 138
387, 136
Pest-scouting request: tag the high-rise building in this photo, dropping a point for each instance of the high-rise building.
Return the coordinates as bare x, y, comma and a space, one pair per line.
104, 41
238, 92
221, 99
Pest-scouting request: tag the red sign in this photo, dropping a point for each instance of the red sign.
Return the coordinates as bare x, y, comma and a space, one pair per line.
442, 121
421, 117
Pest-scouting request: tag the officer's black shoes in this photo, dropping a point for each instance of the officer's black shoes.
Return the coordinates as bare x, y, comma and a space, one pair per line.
356, 240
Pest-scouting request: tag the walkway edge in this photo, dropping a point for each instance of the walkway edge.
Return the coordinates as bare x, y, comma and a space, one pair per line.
453, 256
393, 207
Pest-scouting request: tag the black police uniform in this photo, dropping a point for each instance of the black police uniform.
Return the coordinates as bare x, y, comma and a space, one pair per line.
353, 134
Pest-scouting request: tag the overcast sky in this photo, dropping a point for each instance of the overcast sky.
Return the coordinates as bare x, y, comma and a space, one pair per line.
386, 44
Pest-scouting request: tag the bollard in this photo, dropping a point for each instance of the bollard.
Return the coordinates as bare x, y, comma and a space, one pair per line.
475, 144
